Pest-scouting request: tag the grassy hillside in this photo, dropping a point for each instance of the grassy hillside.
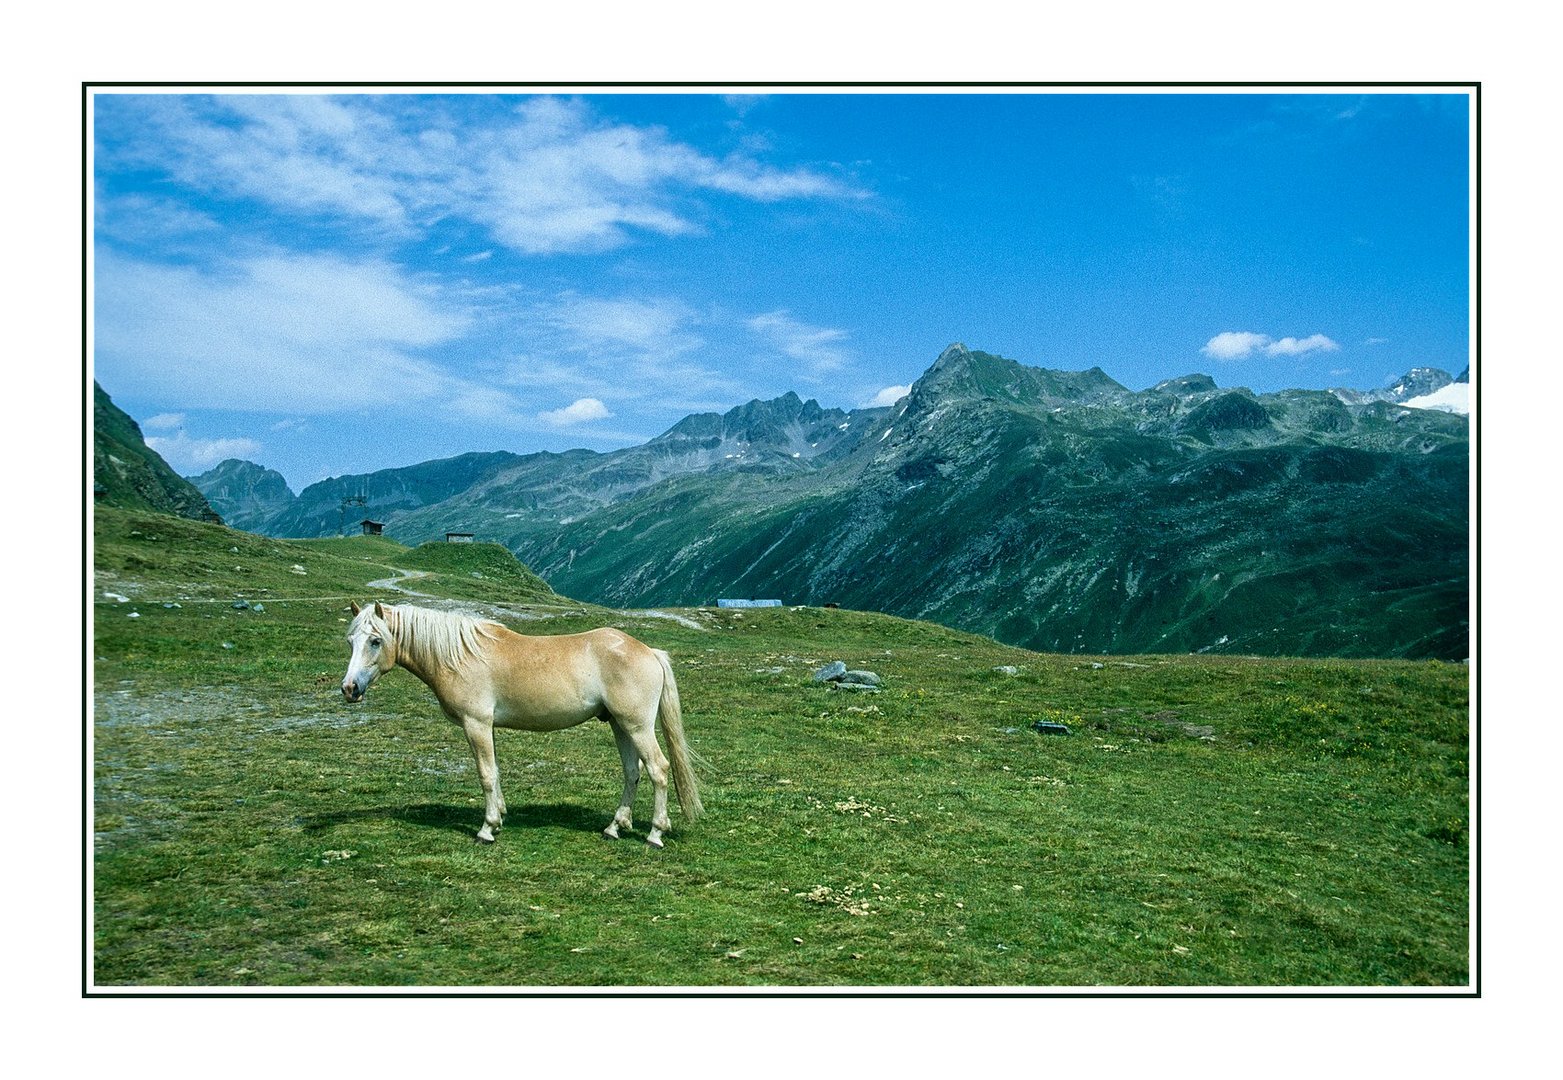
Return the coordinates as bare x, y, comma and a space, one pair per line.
128, 473
1209, 820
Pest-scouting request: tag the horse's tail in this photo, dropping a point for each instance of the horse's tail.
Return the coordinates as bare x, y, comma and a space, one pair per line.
671, 715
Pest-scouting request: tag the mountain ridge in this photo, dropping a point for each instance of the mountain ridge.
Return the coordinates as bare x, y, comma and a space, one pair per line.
1056, 510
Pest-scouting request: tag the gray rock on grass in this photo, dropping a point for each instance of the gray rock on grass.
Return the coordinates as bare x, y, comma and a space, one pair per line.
836, 674
830, 672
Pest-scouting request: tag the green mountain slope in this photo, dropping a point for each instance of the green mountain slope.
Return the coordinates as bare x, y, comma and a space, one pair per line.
1045, 533
128, 473
1055, 510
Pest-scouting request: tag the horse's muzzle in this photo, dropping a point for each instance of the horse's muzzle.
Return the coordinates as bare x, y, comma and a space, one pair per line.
352, 693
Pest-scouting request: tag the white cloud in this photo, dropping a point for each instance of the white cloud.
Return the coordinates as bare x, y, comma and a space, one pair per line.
163, 421
188, 456
888, 396
618, 349
598, 324
142, 217
550, 176
1241, 344
578, 412
292, 334
1290, 346
306, 153
818, 348
1234, 344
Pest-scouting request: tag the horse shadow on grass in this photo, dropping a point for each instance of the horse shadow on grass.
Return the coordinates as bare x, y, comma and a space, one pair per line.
466, 820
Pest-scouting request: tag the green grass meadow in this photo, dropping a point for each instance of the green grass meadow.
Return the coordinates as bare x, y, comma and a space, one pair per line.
1209, 821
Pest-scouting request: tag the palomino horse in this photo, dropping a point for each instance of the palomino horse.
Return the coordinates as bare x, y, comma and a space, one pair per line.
486, 675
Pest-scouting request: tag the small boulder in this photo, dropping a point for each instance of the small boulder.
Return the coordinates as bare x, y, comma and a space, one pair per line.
861, 678
831, 672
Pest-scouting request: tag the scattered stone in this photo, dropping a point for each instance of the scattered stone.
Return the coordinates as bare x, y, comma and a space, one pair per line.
297, 569
1096, 667
172, 605
227, 644
116, 597
862, 678
1007, 669
134, 615
1047, 727
241, 605
258, 607
831, 672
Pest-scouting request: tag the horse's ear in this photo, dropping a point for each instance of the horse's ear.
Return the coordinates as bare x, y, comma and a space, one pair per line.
379, 612
354, 607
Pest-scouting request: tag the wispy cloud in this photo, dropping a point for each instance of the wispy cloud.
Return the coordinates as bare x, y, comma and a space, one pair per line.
164, 421
1241, 344
649, 350
548, 176
612, 325
142, 217
294, 334
820, 349
1290, 346
187, 455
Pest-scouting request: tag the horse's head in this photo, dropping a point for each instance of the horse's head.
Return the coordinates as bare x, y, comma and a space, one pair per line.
374, 651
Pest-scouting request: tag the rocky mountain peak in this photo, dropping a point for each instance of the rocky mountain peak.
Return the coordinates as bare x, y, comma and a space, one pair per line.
1186, 384
764, 422
1418, 382
960, 373
250, 494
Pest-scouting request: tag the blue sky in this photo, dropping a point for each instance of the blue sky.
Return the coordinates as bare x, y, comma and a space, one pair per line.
336, 283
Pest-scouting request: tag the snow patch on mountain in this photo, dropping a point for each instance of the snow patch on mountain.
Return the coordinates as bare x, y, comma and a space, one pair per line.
1454, 398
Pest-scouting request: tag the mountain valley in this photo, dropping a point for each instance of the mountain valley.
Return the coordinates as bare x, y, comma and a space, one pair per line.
1058, 511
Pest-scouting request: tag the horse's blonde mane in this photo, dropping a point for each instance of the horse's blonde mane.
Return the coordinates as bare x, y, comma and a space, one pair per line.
439, 638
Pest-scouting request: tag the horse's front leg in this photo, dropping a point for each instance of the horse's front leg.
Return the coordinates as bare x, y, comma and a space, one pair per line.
480, 734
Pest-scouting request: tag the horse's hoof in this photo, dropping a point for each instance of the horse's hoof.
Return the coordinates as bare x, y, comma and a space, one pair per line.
485, 838
611, 832
654, 841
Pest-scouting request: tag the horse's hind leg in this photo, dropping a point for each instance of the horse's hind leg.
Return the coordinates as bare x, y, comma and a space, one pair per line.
622, 819
480, 734
643, 736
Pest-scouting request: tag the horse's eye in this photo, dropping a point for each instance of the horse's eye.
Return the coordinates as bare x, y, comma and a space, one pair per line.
376, 642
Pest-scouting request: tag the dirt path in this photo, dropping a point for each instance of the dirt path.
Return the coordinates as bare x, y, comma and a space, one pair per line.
394, 583
397, 584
